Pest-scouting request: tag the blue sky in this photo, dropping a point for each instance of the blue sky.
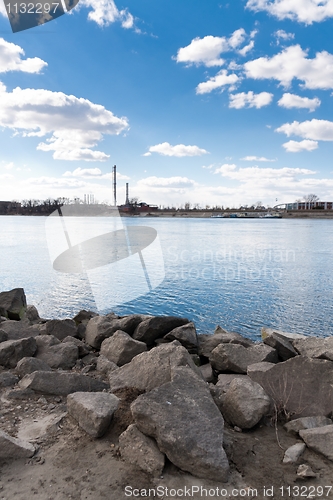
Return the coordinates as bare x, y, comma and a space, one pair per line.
215, 102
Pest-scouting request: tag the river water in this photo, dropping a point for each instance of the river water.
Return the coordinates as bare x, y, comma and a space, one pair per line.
240, 274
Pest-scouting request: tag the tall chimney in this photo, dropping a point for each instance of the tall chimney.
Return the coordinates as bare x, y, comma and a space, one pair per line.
127, 199
115, 185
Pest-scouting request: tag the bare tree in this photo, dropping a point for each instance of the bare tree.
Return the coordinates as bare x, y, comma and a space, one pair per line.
311, 198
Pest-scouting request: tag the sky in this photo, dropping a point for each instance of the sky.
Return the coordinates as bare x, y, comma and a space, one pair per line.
215, 103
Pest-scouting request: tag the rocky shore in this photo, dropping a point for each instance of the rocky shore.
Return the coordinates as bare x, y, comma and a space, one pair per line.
114, 407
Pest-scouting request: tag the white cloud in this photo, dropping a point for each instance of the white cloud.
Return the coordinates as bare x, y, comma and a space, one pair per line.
93, 173
290, 101
11, 59
246, 49
250, 100
316, 130
167, 182
304, 11
225, 169
237, 38
296, 147
179, 150
76, 125
221, 80
283, 35
9, 166
259, 174
292, 63
105, 12
256, 158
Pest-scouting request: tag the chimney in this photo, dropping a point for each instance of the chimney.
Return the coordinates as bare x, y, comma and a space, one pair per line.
127, 200
115, 185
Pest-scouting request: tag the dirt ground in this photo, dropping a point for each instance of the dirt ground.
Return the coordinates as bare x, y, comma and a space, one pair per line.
71, 465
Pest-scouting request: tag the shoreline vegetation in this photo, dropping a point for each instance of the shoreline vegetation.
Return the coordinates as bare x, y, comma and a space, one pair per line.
101, 406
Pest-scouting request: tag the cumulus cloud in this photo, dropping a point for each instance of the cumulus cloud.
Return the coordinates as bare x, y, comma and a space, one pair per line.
292, 63
261, 175
303, 11
297, 147
290, 101
12, 59
315, 130
75, 124
250, 100
167, 182
225, 169
179, 150
256, 158
93, 173
222, 79
105, 12
283, 35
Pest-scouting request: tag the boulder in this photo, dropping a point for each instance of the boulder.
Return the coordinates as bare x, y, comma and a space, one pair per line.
151, 369
92, 411
140, 450
98, 329
300, 424
283, 346
255, 371
11, 351
236, 358
186, 335
83, 348
104, 365
60, 355
188, 427
13, 304
31, 314
293, 453
313, 347
22, 329
61, 328
207, 343
266, 332
207, 372
30, 365
129, 323
3, 336
300, 386
61, 383
156, 327
245, 403
319, 439
8, 379
225, 379
83, 316
14, 448
121, 348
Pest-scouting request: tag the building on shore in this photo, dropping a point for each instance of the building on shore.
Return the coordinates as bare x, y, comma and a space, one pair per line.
309, 205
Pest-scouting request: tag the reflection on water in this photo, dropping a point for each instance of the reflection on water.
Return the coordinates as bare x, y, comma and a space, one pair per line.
241, 274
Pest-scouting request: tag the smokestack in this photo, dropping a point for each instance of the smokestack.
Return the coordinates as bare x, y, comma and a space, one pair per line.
127, 200
115, 185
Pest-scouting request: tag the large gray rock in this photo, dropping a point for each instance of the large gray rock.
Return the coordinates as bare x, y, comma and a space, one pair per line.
151, 369
300, 386
245, 403
283, 346
8, 379
300, 424
14, 448
225, 379
22, 329
207, 372
188, 427
319, 439
56, 354
140, 450
13, 304
83, 316
265, 332
11, 351
313, 347
207, 343
83, 348
121, 348
30, 365
129, 323
61, 328
257, 369
98, 329
293, 453
236, 358
104, 365
61, 383
31, 314
154, 328
3, 336
186, 335
92, 411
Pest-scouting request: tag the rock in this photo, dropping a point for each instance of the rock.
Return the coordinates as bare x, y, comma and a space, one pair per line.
207, 343
142, 451
218, 396
300, 386
313, 347
283, 346
121, 348
61, 328
3, 336
22, 329
11, 351
305, 471
183, 418
236, 358
207, 372
225, 379
186, 335
104, 365
293, 453
13, 304
61, 383
266, 332
92, 411
32, 314
98, 329
45, 341
30, 365
319, 439
156, 327
299, 424
89, 359
60, 355
245, 403
7, 379
129, 323
151, 369
258, 369
83, 316
14, 448
83, 348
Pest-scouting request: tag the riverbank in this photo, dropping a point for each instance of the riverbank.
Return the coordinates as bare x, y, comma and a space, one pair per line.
112, 407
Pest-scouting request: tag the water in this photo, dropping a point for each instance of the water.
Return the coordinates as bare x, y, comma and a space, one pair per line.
240, 274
